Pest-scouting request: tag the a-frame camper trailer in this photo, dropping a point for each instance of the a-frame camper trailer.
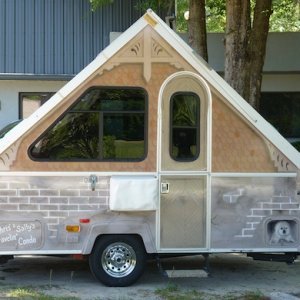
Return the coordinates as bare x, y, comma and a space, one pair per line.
147, 151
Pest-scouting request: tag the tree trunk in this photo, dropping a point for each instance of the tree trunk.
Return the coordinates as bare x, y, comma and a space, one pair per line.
197, 27
236, 44
257, 48
245, 47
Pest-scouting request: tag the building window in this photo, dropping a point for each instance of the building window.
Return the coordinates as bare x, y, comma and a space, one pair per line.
105, 124
282, 110
184, 127
30, 102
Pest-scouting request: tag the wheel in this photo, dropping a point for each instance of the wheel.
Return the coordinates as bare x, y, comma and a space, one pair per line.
118, 260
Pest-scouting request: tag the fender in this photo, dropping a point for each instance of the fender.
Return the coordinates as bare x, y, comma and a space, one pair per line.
140, 228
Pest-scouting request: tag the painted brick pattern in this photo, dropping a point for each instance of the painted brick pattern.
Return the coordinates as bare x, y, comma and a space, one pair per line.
55, 198
276, 205
232, 197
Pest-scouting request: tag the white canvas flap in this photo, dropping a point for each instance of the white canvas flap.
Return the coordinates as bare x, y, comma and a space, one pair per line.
133, 193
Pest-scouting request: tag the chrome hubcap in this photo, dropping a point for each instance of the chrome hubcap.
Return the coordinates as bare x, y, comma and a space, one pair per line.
118, 260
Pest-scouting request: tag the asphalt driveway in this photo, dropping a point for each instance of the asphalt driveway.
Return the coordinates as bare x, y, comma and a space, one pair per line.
229, 273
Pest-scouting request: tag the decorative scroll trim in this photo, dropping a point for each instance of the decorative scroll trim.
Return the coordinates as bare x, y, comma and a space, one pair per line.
280, 161
137, 49
8, 157
157, 50
144, 49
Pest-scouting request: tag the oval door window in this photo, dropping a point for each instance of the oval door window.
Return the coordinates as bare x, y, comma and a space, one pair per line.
185, 123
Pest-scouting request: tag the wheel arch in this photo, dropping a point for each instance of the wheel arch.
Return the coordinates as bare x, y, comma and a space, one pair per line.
129, 228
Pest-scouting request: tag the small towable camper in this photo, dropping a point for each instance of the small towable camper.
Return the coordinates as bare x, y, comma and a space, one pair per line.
147, 151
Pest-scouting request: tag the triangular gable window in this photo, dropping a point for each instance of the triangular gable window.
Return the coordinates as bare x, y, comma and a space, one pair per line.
105, 124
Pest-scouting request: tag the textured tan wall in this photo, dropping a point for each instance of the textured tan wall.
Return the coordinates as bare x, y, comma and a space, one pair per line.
236, 147
123, 75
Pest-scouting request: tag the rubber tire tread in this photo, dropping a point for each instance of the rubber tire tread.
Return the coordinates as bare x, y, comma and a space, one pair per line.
95, 260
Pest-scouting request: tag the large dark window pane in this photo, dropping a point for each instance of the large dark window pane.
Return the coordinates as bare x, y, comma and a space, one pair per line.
185, 111
76, 136
104, 124
282, 110
123, 136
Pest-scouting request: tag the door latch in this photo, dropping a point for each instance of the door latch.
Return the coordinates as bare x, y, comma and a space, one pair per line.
93, 179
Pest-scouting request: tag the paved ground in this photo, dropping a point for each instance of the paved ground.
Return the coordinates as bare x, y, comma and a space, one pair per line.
229, 273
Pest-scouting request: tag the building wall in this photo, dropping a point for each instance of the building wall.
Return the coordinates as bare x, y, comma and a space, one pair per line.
281, 82
9, 95
282, 53
59, 36
43, 44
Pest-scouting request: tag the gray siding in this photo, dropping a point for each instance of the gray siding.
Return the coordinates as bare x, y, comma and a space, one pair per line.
57, 37
282, 53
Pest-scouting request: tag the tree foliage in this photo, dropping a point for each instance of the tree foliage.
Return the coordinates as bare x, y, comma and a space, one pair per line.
285, 16
158, 6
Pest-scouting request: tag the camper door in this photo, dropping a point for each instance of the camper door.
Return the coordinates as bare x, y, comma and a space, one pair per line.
184, 163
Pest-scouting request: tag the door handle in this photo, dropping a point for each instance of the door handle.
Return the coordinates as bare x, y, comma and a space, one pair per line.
164, 187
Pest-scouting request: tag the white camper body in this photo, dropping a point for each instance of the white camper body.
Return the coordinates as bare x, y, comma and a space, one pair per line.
147, 150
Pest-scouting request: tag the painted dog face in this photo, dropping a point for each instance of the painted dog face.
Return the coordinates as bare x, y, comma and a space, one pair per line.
282, 233
282, 228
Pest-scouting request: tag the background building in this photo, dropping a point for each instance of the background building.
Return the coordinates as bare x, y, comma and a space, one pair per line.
44, 43
280, 99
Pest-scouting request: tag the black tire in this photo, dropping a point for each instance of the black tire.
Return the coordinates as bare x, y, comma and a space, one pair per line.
118, 260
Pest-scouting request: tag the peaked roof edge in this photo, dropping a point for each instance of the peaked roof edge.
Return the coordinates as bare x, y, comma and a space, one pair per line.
150, 18
212, 77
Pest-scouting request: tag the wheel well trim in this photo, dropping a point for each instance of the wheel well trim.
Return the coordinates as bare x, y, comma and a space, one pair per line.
131, 228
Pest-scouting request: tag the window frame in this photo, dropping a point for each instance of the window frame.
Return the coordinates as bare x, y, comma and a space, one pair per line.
198, 125
45, 98
100, 137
